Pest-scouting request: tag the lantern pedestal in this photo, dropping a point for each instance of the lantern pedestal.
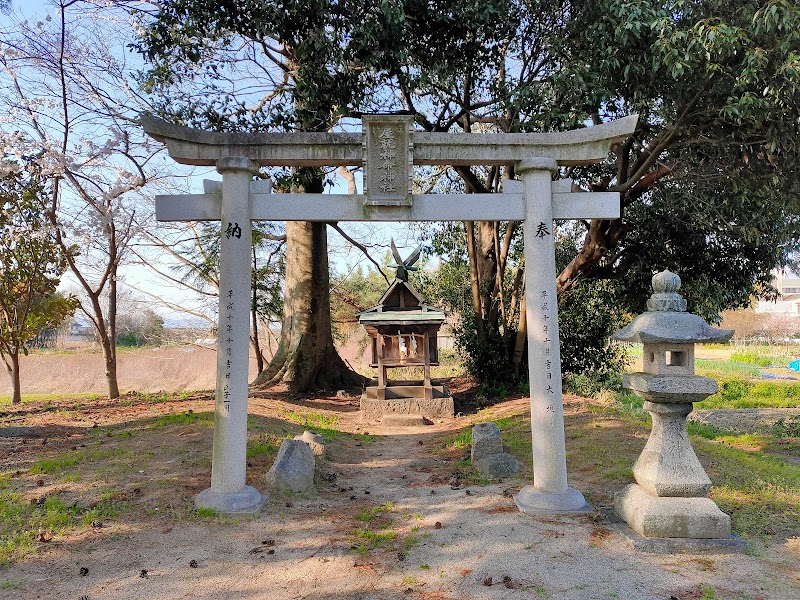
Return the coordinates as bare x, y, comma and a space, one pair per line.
671, 517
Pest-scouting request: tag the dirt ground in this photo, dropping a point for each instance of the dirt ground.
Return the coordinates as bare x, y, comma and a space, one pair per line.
448, 540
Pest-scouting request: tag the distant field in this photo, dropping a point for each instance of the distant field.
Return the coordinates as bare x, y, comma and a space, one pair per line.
141, 369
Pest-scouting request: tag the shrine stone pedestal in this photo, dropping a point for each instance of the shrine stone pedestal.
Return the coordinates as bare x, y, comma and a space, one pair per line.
400, 400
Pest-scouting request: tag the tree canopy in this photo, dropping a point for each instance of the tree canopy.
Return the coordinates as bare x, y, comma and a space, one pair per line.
707, 182
31, 264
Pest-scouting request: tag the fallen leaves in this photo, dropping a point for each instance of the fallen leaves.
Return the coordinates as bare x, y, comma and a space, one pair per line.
599, 536
43, 536
266, 547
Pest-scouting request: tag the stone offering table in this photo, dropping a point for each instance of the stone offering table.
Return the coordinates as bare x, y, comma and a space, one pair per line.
670, 496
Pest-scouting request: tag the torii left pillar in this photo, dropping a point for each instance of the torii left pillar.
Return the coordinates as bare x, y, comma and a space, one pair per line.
229, 493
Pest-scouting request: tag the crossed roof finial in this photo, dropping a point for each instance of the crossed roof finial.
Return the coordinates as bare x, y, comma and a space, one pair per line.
404, 266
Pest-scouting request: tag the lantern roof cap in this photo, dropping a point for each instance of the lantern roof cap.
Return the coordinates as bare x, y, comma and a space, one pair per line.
666, 320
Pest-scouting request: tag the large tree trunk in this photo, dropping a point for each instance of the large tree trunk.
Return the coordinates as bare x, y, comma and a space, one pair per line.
13, 372
306, 358
254, 317
487, 273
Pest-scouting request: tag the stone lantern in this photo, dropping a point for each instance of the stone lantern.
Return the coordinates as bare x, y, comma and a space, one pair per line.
670, 496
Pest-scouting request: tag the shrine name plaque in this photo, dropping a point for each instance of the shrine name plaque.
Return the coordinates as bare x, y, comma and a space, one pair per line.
387, 159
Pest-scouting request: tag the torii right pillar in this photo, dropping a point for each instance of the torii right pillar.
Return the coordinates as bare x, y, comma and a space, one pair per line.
550, 492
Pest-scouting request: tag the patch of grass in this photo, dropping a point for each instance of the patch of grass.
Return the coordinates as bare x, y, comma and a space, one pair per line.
716, 369
632, 406
45, 466
10, 584
708, 592
736, 392
260, 448
368, 514
367, 539
21, 521
463, 439
751, 358
109, 507
203, 513
760, 491
185, 418
786, 428
140, 397
515, 435
325, 425
47, 398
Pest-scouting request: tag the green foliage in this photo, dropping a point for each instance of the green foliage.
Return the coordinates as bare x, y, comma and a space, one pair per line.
21, 520
708, 181
588, 313
735, 392
355, 291
786, 427
201, 267
486, 358
751, 358
31, 262
183, 419
326, 426
758, 490
715, 84
139, 328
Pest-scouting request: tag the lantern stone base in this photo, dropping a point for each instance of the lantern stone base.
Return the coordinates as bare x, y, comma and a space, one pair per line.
406, 400
671, 517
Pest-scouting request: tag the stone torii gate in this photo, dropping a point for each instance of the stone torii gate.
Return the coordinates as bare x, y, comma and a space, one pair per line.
387, 148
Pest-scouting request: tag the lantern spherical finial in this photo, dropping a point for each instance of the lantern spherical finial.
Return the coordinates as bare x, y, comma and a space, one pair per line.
665, 296
666, 282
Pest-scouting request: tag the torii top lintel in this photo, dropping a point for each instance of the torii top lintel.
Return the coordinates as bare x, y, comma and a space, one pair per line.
204, 148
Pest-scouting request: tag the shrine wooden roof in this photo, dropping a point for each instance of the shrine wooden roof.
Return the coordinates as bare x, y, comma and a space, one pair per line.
401, 304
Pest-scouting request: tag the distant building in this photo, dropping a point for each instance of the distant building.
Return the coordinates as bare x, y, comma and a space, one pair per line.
788, 303
80, 331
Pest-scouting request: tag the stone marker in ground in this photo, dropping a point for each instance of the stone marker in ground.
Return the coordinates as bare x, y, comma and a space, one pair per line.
536, 199
315, 442
497, 466
293, 469
487, 453
485, 440
670, 496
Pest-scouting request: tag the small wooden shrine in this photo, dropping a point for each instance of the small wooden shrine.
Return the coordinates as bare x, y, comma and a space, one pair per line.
403, 333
